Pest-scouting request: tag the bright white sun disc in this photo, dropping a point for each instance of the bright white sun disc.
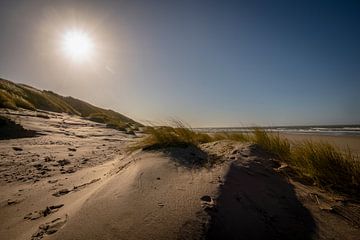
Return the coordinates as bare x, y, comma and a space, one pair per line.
77, 45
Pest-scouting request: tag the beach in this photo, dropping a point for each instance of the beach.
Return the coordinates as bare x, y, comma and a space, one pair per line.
343, 142
76, 179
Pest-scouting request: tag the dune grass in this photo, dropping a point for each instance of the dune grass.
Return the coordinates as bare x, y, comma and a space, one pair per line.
272, 143
328, 166
177, 135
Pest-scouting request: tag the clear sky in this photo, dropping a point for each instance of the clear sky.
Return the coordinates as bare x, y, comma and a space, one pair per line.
209, 63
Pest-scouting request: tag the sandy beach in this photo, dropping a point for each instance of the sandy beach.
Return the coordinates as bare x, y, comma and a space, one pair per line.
344, 142
179, 120
76, 180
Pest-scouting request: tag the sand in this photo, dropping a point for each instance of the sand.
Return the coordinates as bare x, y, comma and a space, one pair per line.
343, 142
115, 194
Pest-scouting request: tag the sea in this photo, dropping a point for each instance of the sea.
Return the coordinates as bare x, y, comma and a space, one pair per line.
329, 130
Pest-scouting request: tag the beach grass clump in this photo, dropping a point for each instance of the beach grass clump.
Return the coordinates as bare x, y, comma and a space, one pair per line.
272, 143
6, 100
326, 165
178, 135
114, 123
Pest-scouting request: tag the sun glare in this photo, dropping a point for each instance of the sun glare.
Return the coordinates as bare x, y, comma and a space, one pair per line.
77, 45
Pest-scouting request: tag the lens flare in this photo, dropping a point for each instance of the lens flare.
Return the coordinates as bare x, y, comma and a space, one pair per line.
77, 45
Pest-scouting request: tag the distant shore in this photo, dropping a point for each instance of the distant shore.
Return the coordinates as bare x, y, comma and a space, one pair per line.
343, 142
340, 138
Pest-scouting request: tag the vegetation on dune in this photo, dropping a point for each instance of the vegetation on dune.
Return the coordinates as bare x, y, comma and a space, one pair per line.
12, 102
15, 96
326, 165
272, 143
181, 135
165, 136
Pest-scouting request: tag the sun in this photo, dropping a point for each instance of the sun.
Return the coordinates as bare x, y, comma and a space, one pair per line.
77, 45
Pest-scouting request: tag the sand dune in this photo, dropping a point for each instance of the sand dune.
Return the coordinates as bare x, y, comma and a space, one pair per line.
154, 195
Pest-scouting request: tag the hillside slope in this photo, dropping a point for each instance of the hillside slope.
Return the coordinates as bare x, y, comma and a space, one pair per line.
15, 96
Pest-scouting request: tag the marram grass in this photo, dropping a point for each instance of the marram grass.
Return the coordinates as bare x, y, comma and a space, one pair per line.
328, 166
272, 142
178, 135
181, 135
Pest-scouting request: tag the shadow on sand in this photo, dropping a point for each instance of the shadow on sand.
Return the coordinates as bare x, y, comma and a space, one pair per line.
188, 156
256, 203
10, 130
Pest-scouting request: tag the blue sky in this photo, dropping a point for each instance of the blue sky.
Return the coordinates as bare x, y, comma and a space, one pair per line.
210, 63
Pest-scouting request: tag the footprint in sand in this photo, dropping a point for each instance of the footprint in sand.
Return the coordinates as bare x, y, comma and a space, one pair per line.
75, 188
49, 228
206, 198
63, 162
207, 203
44, 212
14, 201
61, 192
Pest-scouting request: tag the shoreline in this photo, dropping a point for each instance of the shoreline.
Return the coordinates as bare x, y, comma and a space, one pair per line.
343, 142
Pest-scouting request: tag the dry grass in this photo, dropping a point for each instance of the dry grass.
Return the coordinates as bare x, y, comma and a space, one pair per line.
327, 165
179, 135
272, 143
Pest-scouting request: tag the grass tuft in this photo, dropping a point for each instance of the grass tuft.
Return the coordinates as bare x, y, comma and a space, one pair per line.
181, 135
165, 136
327, 165
272, 143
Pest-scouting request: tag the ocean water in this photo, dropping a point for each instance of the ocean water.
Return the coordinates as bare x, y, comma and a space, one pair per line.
333, 130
